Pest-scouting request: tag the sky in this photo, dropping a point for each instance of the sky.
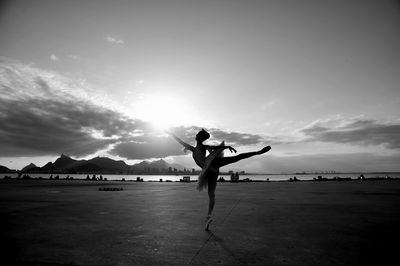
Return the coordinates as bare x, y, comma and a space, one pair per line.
316, 80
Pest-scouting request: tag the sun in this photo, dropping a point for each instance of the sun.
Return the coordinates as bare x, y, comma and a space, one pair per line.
164, 110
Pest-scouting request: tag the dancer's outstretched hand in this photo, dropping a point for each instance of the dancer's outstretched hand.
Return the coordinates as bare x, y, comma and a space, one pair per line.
232, 149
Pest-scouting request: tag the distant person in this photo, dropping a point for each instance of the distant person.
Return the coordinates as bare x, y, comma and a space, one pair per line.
210, 164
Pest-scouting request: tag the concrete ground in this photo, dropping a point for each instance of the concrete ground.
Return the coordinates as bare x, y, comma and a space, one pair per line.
49, 222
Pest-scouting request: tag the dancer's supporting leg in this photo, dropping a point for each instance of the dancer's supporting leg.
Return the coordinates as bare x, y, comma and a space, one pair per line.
212, 185
222, 161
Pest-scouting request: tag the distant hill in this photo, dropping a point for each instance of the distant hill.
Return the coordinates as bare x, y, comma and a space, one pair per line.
63, 163
160, 164
108, 164
29, 167
4, 169
86, 168
104, 165
155, 167
47, 168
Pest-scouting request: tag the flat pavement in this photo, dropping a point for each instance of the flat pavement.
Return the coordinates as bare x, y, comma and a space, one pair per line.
60, 222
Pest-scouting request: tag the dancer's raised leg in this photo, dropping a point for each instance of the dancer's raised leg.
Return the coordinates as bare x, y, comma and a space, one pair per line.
222, 161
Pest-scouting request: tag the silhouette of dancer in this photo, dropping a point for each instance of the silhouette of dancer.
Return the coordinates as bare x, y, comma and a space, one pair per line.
210, 164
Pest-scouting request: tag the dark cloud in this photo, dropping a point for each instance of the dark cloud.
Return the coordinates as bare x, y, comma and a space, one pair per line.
53, 121
154, 147
360, 132
236, 138
50, 127
231, 138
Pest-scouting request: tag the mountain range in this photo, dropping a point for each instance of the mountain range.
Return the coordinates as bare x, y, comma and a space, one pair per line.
101, 165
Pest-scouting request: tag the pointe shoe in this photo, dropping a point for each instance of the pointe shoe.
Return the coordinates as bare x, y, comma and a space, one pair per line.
208, 222
265, 149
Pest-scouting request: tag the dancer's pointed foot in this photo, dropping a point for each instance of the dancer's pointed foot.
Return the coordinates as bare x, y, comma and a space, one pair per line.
208, 222
264, 150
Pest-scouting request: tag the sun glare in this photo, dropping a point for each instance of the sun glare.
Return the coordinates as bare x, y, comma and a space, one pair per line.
164, 110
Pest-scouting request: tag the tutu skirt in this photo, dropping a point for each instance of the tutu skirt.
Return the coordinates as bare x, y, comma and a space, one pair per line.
204, 174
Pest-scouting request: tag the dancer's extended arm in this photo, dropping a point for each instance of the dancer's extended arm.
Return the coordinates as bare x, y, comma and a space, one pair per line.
212, 148
184, 144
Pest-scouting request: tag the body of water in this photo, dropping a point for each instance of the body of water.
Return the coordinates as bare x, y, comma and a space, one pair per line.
173, 178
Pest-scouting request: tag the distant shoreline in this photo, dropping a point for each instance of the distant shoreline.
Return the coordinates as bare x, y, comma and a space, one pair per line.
193, 178
222, 173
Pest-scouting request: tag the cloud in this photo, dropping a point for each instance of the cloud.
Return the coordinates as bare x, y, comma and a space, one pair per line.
355, 131
230, 137
148, 145
152, 147
74, 56
114, 40
351, 162
42, 113
236, 138
54, 58
45, 113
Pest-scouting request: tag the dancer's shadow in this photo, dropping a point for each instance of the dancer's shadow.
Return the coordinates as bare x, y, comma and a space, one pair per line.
228, 250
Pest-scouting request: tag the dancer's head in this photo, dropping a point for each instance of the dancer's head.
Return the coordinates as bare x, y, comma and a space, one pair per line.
202, 135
